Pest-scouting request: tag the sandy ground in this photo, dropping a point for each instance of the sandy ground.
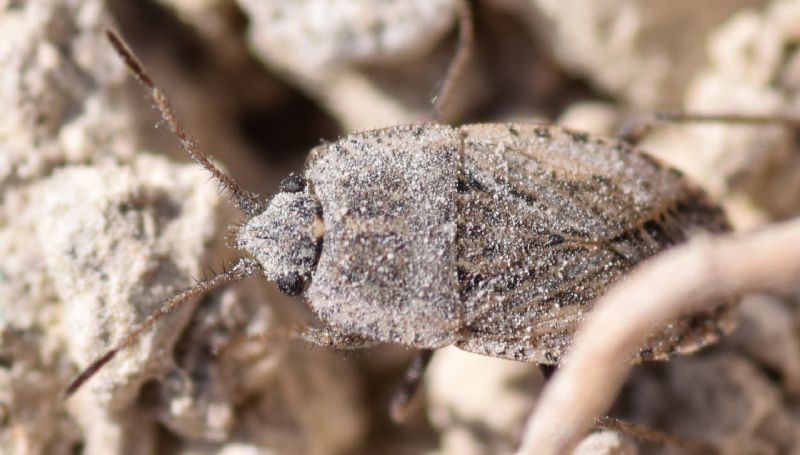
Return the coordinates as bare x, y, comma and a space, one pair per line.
102, 217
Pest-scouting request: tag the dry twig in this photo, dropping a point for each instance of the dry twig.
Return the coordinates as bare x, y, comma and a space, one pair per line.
679, 281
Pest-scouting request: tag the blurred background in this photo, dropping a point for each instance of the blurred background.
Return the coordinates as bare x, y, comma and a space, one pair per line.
101, 217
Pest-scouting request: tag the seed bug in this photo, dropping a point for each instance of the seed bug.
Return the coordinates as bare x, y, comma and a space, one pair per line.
495, 238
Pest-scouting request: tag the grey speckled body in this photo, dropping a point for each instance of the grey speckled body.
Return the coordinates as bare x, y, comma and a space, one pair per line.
494, 237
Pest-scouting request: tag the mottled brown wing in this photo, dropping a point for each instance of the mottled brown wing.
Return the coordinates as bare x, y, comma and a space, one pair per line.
549, 218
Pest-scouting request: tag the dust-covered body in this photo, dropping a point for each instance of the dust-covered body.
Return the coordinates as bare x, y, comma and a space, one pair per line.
493, 237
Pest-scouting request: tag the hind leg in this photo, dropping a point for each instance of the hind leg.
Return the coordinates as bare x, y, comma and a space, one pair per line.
547, 370
635, 128
333, 338
405, 401
407, 398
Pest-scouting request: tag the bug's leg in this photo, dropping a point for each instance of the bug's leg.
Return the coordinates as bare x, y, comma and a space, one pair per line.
327, 337
408, 396
245, 201
637, 431
635, 128
243, 268
466, 32
646, 434
547, 370
332, 338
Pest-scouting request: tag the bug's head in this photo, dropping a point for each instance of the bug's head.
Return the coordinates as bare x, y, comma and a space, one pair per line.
286, 237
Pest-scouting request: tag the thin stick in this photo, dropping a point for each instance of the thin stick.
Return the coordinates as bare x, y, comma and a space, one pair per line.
242, 269
676, 282
466, 32
244, 200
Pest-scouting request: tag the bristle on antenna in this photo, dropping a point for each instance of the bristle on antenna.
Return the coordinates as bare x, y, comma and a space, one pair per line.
246, 201
242, 269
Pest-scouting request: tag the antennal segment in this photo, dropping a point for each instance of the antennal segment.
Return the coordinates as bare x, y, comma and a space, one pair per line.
243, 268
245, 201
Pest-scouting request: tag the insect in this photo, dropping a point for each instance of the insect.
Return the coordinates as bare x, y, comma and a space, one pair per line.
495, 238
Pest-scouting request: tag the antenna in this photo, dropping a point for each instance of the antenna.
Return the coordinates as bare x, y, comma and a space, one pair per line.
245, 201
242, 269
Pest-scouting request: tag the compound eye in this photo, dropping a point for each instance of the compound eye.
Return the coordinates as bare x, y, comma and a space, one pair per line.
290, 284
292, 184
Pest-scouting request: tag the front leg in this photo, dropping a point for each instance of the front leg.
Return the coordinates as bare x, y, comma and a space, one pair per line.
328, 337
333, 338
